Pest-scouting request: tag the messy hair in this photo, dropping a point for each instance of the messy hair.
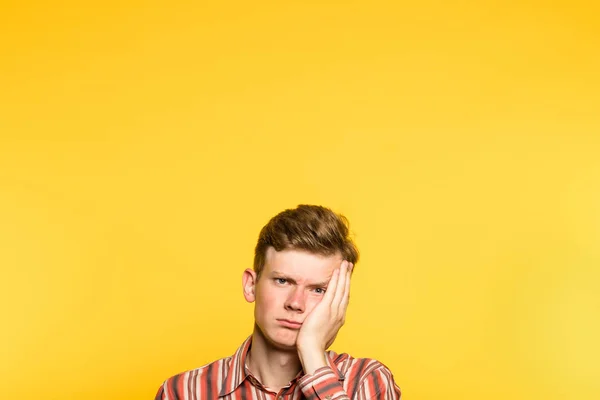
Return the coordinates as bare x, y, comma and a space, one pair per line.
311, 228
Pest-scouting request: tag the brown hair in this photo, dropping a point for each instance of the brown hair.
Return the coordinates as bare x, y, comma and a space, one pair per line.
315, 229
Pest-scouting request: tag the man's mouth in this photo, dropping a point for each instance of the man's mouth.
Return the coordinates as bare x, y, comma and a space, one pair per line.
290, 324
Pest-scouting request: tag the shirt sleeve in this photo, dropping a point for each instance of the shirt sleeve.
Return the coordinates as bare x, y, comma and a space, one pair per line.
322, 385
376, 385
379, 385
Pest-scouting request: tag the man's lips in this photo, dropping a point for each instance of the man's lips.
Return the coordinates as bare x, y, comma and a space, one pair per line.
290, 324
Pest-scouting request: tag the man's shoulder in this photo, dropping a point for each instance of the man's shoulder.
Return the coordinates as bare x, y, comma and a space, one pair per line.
355, 366
209, 375
367, 375
216, 365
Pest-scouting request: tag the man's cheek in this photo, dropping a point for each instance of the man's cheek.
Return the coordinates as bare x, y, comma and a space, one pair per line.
312, 303
267, 300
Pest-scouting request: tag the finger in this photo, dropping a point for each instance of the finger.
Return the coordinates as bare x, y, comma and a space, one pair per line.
330, 342
339, 290
346, 298
331, 287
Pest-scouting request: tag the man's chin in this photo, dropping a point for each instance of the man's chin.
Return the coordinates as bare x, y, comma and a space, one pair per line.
280, 339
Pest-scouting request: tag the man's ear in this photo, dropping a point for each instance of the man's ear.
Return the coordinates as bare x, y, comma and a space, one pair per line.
249, 283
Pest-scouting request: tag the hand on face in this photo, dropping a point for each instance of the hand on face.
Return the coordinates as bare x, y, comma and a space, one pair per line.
323, 323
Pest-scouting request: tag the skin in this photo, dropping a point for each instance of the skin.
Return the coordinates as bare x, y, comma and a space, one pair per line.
310, 289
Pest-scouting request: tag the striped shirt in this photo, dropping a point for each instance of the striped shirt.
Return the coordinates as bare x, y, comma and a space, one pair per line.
230, 379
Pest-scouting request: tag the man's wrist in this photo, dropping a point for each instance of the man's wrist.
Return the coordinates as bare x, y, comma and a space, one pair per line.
312, 359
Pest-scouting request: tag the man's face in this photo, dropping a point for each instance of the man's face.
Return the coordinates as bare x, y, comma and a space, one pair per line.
291, 284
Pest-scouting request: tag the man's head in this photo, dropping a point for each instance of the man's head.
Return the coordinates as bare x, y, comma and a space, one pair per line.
296, 254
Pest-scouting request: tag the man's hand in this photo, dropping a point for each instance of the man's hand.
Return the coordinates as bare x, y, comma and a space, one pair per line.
322, 325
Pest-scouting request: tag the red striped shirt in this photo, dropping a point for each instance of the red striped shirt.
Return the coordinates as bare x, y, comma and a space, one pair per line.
229, 378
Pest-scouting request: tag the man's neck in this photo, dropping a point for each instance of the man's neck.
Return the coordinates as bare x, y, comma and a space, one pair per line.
274, 368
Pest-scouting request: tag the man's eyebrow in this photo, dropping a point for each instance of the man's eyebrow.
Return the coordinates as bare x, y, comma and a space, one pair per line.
279, 274
320, 284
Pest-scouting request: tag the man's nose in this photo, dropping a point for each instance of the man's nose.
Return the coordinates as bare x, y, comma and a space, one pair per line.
295, 300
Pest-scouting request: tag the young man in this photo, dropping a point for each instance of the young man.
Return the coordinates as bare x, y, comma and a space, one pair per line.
300, 285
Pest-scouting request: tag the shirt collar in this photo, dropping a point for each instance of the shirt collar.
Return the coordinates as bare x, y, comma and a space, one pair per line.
236, 373
236, 370
331, 356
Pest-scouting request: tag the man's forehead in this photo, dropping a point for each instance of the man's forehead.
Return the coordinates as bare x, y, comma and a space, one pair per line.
302, 263
272, 254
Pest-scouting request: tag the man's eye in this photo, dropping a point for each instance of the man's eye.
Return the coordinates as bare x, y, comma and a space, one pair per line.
320, 290
281, 281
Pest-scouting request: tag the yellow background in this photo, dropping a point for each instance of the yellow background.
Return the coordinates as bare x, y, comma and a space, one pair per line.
144, 145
